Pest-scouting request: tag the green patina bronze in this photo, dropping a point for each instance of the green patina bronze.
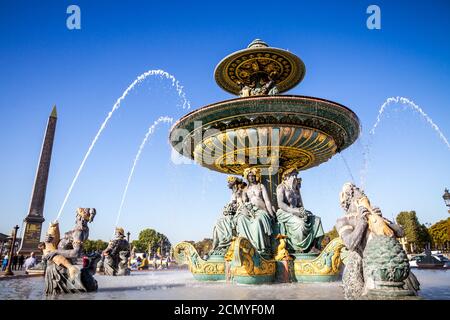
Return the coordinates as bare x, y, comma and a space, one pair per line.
299, 119
273, 134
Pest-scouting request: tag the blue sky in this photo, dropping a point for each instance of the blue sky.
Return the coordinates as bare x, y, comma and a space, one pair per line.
84, 71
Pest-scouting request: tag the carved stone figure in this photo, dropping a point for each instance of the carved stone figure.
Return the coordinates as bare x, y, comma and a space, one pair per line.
303, 229
116, 255
225, 227
61, 275
254, 216
260, 84
245, 90
375, 263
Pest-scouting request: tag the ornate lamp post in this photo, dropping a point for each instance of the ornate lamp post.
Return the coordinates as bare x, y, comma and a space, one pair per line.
128, 236
446, 198
8, 271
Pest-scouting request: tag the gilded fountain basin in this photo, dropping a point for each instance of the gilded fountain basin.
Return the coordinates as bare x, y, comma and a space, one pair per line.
232, 135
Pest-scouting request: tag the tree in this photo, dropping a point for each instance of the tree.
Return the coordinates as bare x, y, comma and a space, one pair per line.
94, 245
150, 239
424, 237
415, 232
440, 233
203, 246
330, 235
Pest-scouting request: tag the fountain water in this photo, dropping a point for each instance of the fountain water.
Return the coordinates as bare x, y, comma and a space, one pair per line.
150, 131
348, 168
139, 79
415, 107
388, 102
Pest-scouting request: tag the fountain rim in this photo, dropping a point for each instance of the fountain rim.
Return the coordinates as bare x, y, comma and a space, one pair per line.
274, 97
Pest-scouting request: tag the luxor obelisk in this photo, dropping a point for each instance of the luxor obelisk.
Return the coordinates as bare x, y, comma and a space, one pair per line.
35, 218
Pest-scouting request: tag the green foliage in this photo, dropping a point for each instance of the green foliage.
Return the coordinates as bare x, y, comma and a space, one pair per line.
440, 232
415, 232
424, 236
203, 246
330, 235
408, 220
151, 239
94, 245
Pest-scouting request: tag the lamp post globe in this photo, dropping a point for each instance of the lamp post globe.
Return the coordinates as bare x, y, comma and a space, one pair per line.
446, 198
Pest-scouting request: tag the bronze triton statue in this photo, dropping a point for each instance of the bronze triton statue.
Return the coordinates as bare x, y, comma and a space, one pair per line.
61, 275
116, 255
376, 264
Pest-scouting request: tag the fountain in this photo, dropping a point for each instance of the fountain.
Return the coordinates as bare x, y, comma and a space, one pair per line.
263, 131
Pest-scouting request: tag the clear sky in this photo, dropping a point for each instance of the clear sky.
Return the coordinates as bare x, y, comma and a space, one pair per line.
84, 71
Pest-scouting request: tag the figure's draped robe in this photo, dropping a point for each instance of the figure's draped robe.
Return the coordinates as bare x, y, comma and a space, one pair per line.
255, 225
300, 232
223, 233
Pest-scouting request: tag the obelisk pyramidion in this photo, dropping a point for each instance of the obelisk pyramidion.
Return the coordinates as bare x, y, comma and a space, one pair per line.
35, 218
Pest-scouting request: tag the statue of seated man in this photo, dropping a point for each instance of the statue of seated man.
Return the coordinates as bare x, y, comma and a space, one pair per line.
254, 216
303, 229
61, 276
225, 227
116, 255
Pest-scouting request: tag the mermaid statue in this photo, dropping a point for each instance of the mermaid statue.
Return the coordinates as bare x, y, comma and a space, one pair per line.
254, 217
303, 229
225, 227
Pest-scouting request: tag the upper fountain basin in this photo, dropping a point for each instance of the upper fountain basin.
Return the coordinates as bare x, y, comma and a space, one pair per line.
300, 132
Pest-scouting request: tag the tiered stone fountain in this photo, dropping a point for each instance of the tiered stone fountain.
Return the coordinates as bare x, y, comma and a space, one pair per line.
266, 130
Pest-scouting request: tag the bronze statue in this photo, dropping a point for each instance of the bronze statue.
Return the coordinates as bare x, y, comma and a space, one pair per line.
371, 248
61, 275
303, 229
225, 227
116, 255
259, 84
255, 215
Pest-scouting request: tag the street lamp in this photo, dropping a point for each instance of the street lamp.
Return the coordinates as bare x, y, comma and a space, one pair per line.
8, 271
128, 236
446, 198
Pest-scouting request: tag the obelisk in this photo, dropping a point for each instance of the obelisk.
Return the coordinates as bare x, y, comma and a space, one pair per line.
35, 218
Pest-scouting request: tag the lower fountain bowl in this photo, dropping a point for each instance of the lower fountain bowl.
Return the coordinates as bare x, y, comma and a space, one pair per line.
265, 131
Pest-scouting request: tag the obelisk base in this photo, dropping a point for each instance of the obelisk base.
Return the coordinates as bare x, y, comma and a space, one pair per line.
31, 235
